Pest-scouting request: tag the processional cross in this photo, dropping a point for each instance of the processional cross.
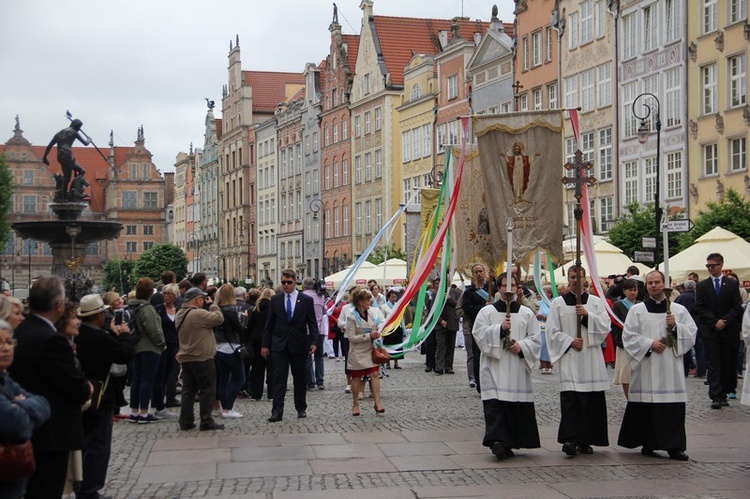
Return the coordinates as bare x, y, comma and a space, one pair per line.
580, 178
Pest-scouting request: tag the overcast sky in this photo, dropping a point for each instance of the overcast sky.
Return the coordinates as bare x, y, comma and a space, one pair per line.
119, 64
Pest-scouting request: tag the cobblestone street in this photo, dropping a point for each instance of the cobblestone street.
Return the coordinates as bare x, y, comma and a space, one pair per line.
427, 444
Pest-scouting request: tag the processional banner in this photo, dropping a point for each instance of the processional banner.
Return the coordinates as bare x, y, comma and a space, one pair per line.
521, 160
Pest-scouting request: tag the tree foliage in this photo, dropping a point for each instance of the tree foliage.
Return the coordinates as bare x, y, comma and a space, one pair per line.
638, 222
383, 253
156, 260
117, 275
6, 191
731, 213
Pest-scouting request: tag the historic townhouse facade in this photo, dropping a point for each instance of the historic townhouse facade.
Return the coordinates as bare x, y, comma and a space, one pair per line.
291, 208
207, 184
587, 59
267, 181
490, 70
249, 98
652, 52
336, 87
312, 203
537, 67
717, 110
187, 207
454, 99
416, 116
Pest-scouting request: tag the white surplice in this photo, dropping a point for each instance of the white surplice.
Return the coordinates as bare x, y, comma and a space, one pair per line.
746, 336
657, 378
578, 371
504, 375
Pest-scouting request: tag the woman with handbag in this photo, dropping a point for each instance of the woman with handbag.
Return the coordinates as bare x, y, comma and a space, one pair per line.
230, 369
20, 413
361, 330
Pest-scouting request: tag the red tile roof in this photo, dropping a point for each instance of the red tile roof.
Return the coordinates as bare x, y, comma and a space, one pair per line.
352, 47
95, 166
269, 88
401, 37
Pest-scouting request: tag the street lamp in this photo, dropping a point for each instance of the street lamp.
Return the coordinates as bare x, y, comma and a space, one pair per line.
316, 206
643, 133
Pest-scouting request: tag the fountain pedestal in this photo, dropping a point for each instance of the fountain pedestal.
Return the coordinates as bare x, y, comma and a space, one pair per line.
69, 237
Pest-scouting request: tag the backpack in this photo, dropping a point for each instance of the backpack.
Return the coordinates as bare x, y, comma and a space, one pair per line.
135, 333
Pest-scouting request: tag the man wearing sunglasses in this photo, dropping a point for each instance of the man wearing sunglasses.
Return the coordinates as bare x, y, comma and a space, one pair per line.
289, 337
719, 308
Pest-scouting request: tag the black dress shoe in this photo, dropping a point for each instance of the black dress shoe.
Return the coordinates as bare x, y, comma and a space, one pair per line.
428, 370
188, 427
724, 403
499, 450
569, 448
648, 452
585, 449
301, 414
275, 418
172, 403
450, 372
211, 426
716, 404
678, 455
439, 371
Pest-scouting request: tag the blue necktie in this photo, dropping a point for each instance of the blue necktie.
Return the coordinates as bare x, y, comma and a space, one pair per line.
289, 307
717, 286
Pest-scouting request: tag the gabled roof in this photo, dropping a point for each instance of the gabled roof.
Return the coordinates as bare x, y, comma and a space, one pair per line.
402, 37
96, 169
269, 87
352, 48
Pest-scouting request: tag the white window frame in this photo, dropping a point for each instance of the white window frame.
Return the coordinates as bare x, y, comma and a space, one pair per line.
673, 21
630, 172
737, 75
406, 146
587, 21
587, 90
604, 85
571, 92
605, 154
427, 140
552, 95
378, 118
378, 163
416, 142
629, 36
536, 48
650, 27
674, 175
452, 86
736, 11
673, 96
709, 16
572, 30
737, 154
536, 97
709, 82
709, 160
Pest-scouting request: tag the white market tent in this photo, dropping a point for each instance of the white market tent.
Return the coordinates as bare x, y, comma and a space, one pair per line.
333, 280
609, 260
734, 249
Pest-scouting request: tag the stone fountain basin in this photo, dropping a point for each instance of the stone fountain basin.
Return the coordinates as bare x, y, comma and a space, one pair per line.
54, 231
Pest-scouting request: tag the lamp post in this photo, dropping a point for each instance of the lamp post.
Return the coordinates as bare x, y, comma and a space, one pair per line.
316, 206
643, 133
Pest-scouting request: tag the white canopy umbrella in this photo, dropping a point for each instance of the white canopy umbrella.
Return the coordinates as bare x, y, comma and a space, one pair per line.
389, 273
333, 280
734, 249
609, 260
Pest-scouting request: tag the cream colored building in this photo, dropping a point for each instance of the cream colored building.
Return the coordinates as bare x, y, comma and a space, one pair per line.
718, 111
587, 61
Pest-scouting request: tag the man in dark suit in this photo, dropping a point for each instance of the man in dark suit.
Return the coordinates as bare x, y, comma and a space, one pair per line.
98, 350
289, 337
719, 307
45, 365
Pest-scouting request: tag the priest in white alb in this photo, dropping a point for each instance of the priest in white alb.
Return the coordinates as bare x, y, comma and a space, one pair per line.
505, 373
580, 366
655, 339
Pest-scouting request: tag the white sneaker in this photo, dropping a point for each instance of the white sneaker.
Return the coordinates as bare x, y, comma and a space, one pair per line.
348, 389
166, 414
231, 415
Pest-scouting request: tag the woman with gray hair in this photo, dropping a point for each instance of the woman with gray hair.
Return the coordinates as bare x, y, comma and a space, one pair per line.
11, 310
20, 411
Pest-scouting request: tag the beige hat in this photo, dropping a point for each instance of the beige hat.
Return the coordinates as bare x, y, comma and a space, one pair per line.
91, 305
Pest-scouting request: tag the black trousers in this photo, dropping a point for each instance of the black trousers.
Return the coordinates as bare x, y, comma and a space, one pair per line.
430, 345
197, 377
721, 350
97, 448
445, 347
48, 481
281, 362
